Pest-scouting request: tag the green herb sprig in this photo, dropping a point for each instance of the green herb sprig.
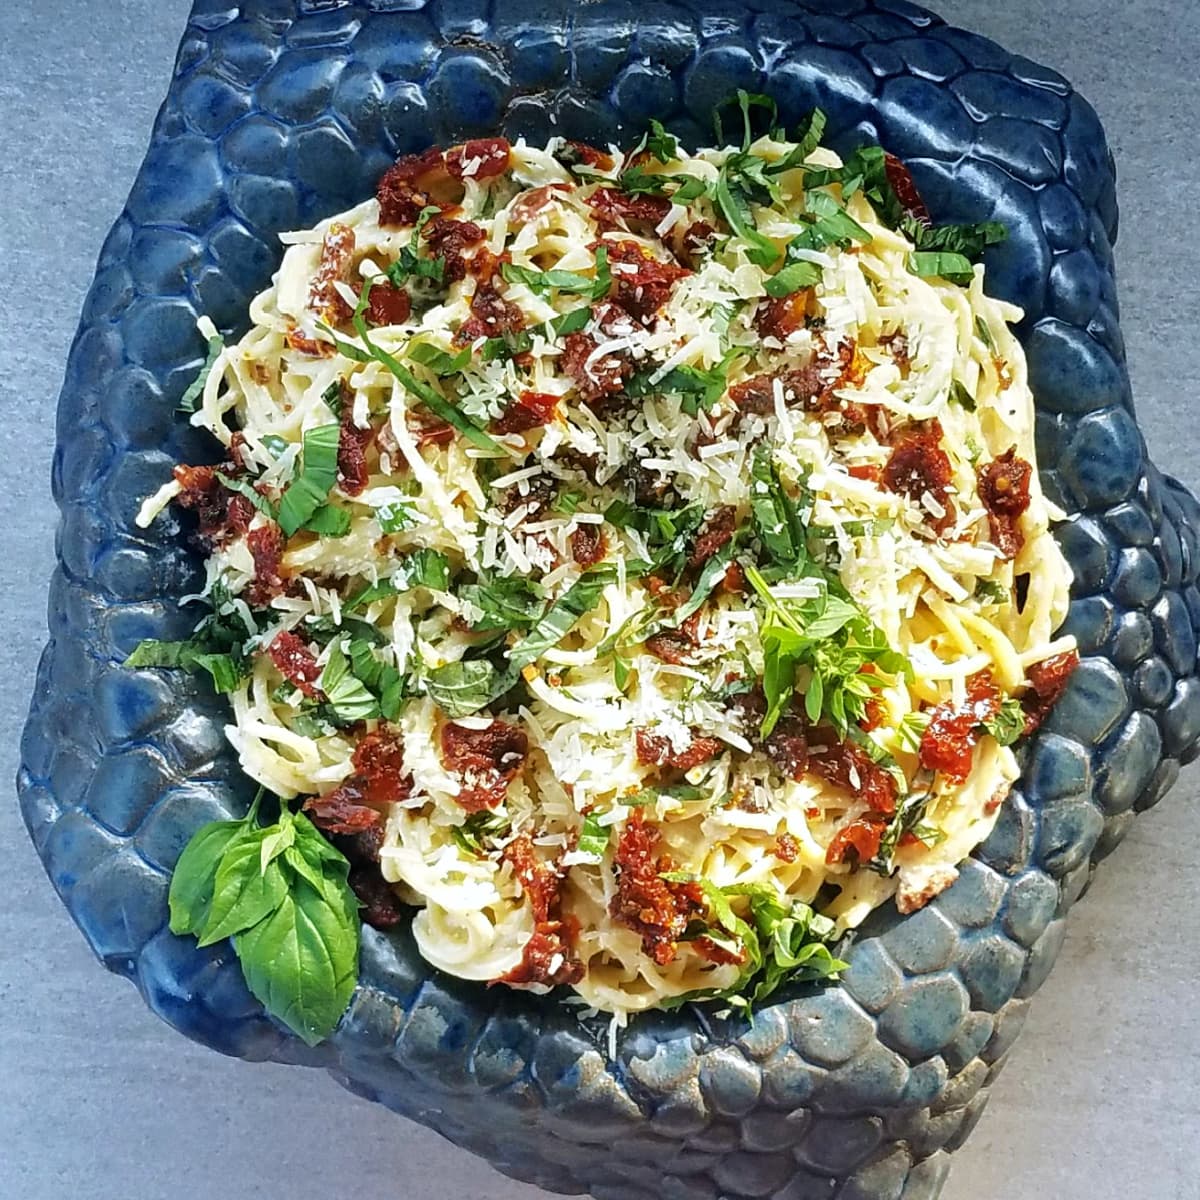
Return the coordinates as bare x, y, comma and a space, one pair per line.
281, 893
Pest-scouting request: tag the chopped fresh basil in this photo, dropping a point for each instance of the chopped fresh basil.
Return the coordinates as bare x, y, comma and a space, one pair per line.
507, 346
793, 278
968, 240
333, 397
559, 619
710, 576
381, 678
505, 602
908, 818
783, 940
983, 330
478, 828
462, 688
422, 568
396, 517
747, 103
411, 264
329, 521
226, 670
664, 146
347, 696
429, 396
544, 282
245, 488
571, 322
991, 592
733, 193
700, 389
593, 838
190, 400
960, 396
954, 268
568, 502
437, 360
1009, 722
777, 517
318, 473
807, 138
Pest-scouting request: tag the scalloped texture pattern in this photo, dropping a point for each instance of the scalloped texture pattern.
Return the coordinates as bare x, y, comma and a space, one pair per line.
282, 112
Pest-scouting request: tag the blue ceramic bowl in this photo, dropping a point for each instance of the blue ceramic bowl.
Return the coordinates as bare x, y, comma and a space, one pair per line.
283, 111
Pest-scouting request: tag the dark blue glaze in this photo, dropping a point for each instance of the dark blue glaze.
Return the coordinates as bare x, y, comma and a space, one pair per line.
283, 111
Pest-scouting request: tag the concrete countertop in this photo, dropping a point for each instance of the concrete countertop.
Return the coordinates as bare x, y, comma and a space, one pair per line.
99, 1100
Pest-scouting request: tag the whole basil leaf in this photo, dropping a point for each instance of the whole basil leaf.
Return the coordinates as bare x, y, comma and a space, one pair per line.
194, 878
244, 891
301, 962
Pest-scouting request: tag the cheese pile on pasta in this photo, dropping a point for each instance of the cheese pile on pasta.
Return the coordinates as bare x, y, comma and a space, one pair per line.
639, 559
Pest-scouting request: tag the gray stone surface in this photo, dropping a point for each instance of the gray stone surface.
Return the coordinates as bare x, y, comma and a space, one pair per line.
97, 1099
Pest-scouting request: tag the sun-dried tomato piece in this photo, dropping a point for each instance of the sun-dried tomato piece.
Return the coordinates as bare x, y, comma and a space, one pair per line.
486, 759
296, 663
787, 744
1047, 681
405, 187
207, 497
337, 253
654, 750
378, 763
540, 880
948, 743
613, 206
352, 451
448, 239
693, 243
919, 468
344, 810
641, 283
548, 957
381, 907
491, 316
480, 158
846, 766
588, 545
238, 514
734, 579
899, 176
299, 341
897, 344
612, 320
595, 380
716, 533
431, 432
266, 545
1004, 491
590, 156
527, 207
781, 316
651, 906
534, 495
787, 848
389, 304
867, 471
674, 645
857, 841
715, 952
530, 410
811, 388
